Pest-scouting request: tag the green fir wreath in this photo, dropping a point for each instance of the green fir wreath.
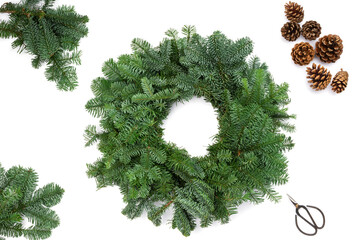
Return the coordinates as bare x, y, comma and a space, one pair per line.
135, 96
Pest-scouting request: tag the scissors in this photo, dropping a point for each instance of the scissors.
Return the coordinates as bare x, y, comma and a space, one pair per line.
312, 222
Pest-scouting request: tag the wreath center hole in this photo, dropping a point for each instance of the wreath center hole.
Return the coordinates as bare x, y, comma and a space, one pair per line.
191, 125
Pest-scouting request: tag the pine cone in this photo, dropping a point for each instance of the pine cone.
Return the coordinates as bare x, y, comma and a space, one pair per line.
294, 12
339, 82
319, 77
302, 53
290, 31
311, 30
329, 48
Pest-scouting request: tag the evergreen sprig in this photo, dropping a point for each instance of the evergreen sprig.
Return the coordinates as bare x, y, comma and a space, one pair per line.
135, 96
20, 201
50, 34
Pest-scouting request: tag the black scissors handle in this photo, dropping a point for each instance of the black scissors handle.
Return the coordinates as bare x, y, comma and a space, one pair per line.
312, 224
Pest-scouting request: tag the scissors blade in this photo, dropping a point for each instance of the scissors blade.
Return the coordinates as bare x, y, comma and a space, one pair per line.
292, 200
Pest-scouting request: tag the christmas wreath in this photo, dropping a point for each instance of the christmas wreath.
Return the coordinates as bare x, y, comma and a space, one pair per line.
135, 96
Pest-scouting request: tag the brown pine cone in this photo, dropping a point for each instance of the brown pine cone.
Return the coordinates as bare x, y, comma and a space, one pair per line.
319, 77
340, 80
302, 53
311, 30
329, 48
290, 31
294, 12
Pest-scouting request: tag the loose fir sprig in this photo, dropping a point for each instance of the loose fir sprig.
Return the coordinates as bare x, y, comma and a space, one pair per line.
50, 34
20, 201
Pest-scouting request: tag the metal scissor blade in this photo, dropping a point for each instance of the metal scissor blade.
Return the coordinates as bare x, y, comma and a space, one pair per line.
292, 200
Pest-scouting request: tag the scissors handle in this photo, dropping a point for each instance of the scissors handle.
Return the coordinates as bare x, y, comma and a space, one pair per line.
312, 224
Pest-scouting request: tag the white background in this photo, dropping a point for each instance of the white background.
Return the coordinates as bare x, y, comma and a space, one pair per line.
42, 127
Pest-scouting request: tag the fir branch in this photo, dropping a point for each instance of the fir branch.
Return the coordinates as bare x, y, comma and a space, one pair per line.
188, 31
28, 14
140, 45
20, 200
8, 31
50, 35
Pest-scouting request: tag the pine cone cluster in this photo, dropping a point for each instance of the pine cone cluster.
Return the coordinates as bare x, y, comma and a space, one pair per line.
294, 12
302, 53
319, 77
311, 30
339, 82
329, 48
291, 31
